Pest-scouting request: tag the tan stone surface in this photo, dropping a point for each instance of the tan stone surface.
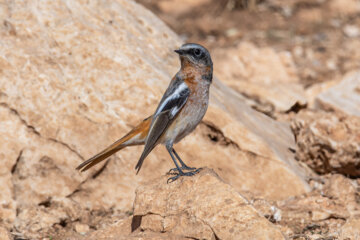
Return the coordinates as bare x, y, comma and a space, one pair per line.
342, 189
82, 228
330, 211
4, 234
33, 169
31, 221
77, 75
344, 7
182, 6
120, 229
261, 74
249, 135
202, 206
313, 91
328, 142
351, 229
343, 97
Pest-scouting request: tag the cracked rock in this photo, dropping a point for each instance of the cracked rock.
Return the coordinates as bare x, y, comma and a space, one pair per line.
343, 97
261, 74
328, 142
202, 206
34, 219
28, 174
198, 207
4, 234
332, 210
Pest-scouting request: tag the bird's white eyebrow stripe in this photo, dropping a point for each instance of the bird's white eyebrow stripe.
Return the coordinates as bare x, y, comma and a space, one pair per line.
190, 46
176, 94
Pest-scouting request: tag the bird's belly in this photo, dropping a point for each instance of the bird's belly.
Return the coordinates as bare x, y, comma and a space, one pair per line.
187, 120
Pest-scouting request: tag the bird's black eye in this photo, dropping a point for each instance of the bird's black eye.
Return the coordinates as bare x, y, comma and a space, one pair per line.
197, 52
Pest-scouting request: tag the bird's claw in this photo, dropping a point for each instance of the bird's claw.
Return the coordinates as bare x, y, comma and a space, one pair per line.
192, 173
175, 171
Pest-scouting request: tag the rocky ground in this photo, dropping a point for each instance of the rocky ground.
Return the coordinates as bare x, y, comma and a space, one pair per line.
279, 145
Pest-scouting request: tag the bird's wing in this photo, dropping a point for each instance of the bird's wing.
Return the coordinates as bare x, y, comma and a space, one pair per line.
170, 105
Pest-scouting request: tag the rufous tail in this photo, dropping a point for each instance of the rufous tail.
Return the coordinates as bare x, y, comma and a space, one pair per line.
136, 136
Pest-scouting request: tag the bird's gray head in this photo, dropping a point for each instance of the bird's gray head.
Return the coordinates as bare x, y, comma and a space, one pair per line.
196, 54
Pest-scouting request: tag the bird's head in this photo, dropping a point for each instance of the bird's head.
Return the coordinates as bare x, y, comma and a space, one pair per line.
196, 55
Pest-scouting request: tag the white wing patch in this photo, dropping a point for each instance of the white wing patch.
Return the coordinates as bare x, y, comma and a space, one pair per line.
174, 111
175, 95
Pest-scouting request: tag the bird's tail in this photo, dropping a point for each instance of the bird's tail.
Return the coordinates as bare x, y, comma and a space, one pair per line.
136, 136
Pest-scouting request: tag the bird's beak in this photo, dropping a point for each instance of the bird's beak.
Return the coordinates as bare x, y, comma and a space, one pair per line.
180, 52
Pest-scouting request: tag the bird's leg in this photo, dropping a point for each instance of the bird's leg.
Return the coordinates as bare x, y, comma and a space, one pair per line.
183, 165
170, 150
180, 172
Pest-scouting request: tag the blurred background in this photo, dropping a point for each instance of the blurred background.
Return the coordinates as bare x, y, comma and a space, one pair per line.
321, 35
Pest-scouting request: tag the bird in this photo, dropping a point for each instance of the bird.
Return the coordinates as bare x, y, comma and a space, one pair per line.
180, 110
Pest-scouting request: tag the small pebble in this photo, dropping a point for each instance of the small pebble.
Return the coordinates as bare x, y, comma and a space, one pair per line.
352, 31
81, 228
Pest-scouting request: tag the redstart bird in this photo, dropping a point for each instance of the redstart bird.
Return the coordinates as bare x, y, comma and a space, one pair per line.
180, 110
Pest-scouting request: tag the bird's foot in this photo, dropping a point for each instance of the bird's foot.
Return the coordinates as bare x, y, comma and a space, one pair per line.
181, 173
175, 171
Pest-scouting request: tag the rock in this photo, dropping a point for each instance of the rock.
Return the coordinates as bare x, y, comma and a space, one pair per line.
34, 169
8, 153
351, 31
326, 211
81, 228
119, 230
323, 212
351, 229
310, 16
313, 91
328, 142
70, 83
33, 220
181, 6
300, 212
261, 74
344, 7
122, 230
51, 107
4, 234
343, 190
261, 144
343, 97
199, 207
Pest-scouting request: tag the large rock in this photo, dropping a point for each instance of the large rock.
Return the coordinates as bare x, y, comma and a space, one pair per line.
4, 234
315, 90
34, 168
265, 151
268, 77
77, 75
199, 207
328, 142
351, 229
329, 211
344, 8
343, 97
